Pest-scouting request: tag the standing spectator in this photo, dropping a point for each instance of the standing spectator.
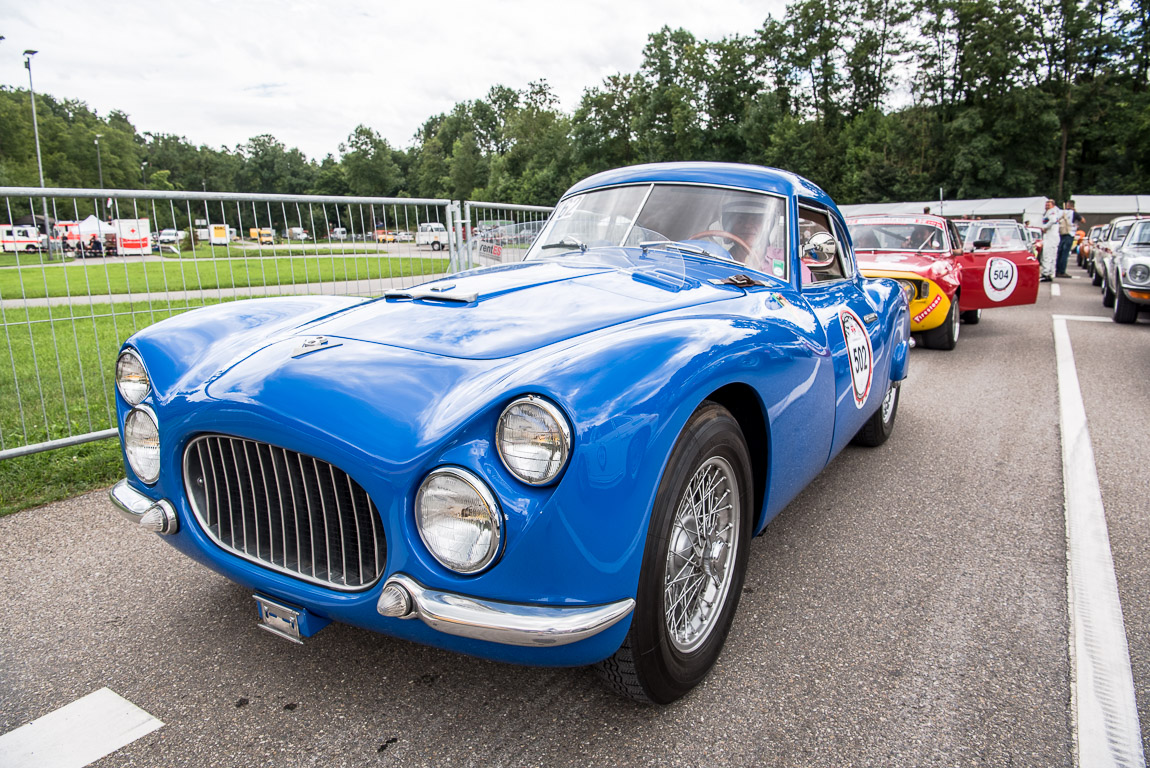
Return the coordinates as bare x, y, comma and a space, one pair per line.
1066, 227
1050, 237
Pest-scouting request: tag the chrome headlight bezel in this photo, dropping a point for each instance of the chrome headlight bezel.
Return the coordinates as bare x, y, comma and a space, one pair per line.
131, 451
1143, 273
562, 431
494, 520
131, 396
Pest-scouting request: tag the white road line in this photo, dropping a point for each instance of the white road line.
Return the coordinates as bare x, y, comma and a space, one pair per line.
77, 734
1104, 708
1055, 289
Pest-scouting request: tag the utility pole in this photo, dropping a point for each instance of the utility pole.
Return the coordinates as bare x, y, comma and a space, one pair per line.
28, 54
99, 164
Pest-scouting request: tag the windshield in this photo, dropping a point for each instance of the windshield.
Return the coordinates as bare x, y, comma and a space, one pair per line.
1118, 231
895, 235
746, 227
1000, 234
1140, 234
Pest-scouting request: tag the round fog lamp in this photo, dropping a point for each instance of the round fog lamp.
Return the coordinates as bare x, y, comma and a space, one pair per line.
142, 444
458, 520
132, 378
533, 440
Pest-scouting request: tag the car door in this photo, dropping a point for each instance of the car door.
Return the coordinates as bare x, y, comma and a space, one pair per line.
998, 276
851, 324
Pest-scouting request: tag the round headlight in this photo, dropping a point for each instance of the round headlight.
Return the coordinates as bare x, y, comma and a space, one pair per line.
142, 444
1139, 273
908, 289
533, 440
458, 520
132, 378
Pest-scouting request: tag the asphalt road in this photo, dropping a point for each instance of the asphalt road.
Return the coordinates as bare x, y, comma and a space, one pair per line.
908, 609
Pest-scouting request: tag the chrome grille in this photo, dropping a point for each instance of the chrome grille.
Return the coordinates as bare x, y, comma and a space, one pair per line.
293, 513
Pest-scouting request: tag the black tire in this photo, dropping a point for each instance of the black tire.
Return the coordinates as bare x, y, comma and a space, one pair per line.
1107, 292
1095, 275
946, 335
880, 425
1125, 311
972, 316
436, 246
656, 664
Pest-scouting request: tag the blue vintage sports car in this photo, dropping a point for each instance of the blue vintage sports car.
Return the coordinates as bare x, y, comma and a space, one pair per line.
555, 462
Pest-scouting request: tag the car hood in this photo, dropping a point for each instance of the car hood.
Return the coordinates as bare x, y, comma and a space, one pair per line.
503, 311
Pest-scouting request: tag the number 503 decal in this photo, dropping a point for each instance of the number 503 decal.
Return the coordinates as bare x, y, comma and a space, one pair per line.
860, 356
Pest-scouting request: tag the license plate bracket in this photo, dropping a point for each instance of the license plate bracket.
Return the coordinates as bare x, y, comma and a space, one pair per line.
279, 619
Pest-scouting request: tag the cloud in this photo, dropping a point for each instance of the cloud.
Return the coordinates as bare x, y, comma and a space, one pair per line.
219, 72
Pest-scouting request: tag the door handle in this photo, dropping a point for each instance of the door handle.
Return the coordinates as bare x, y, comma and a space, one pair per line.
870, 318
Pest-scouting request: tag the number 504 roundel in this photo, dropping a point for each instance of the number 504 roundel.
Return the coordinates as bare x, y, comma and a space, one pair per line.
859, 355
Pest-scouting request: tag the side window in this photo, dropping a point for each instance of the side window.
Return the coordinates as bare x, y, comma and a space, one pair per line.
811, 223
952, 232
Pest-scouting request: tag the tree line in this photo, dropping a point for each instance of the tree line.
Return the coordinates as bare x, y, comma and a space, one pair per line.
874, 100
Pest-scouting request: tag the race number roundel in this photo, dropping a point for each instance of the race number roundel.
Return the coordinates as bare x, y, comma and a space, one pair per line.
999, 279
859, 355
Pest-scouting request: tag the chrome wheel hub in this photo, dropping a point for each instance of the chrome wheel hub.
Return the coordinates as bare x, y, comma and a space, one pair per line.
704, 539
888, 403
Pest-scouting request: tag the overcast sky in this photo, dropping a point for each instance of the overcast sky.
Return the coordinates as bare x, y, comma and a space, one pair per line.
220, 72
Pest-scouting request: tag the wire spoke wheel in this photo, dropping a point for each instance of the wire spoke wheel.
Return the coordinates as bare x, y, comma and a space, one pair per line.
704, 537
694, 562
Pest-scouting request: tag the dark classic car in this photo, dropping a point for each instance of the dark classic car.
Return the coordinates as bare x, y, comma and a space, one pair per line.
559, 461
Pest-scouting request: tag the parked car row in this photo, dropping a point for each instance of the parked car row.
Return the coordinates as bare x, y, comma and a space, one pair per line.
1118, 261
948, 280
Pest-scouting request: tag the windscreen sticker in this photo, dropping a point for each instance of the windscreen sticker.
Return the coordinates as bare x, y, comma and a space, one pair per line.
860, 356
999, 279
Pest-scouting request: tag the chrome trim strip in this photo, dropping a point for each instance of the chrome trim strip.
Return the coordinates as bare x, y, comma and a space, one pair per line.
509, 623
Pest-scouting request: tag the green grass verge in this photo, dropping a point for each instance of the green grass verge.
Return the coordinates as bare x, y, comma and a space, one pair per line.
30, 481
58, 382
119, 277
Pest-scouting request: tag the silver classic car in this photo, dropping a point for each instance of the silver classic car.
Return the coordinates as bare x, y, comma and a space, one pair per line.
1126, 279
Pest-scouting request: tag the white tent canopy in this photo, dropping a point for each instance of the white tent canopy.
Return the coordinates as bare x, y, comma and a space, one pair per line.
93, 226
1097, 208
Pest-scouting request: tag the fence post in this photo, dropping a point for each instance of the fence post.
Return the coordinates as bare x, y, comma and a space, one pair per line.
471, 234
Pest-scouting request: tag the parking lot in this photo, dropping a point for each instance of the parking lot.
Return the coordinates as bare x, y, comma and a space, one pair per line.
908, 609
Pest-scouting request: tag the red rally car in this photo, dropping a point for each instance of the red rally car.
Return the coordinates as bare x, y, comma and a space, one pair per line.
944, 283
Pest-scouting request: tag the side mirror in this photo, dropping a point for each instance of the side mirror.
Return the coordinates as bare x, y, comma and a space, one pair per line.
819, 251
981, 243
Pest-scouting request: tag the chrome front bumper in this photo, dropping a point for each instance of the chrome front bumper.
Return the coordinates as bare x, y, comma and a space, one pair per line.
497, 622
157, 516
403, 597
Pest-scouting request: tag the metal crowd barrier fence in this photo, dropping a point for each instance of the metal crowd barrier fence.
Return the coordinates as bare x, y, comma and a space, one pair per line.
497, 233
83, 269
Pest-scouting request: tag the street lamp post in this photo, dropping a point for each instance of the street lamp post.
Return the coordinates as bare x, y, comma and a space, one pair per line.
28, 54
99, 164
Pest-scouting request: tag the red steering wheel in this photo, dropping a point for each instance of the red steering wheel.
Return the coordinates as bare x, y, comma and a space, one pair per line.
722, 233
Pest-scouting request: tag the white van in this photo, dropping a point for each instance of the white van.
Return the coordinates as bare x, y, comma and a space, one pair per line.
433, 234
18, 238
338, 233
297, 233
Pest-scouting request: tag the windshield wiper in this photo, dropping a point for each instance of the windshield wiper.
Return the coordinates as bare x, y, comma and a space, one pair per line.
678, 246
567, 242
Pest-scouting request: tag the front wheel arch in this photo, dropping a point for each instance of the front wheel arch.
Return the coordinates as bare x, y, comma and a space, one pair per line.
744, 404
